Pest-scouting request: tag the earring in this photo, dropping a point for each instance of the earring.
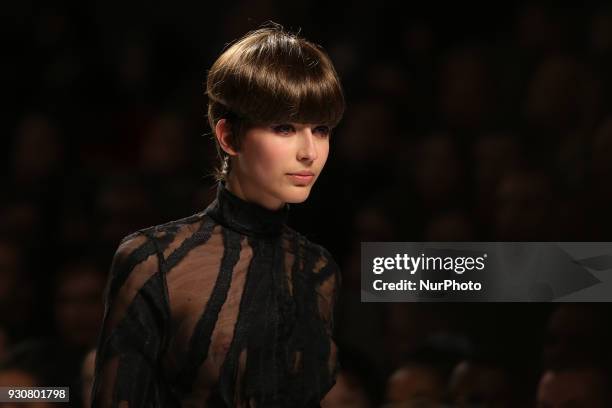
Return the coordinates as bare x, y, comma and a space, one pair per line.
225, 165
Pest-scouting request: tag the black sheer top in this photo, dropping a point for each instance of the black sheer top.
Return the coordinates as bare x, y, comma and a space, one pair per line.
226, 308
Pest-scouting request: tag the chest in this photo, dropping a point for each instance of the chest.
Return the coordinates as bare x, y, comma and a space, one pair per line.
253, 303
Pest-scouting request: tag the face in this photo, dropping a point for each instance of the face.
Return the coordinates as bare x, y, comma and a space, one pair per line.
577, 388
78, 309
415, 384
20, 378
279, 164
473, 383
344, 394
87, 376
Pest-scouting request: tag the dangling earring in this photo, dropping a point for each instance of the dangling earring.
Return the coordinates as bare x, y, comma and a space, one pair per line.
225, 165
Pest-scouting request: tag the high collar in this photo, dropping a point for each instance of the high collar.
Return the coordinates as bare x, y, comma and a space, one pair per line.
245, 217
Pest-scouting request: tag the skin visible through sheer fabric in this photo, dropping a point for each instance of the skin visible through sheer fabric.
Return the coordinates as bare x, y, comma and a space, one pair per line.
229, 307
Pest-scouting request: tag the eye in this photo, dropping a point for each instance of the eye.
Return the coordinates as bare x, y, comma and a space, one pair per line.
323, 131
283, 129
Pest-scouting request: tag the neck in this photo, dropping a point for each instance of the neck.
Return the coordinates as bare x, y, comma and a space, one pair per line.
245, 217
242, 191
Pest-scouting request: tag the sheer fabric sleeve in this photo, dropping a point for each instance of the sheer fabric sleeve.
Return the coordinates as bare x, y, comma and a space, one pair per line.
130, 340
327, 284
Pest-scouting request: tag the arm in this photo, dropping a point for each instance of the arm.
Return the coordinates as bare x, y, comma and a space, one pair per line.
130, 340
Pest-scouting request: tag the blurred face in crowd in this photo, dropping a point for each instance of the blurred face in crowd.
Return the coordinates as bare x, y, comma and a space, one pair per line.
451, 226
553, 95
9, 270
576, 333
362, 121
572, 388
602, 149
464, 98
78, 305
163, 150
524, 206
438, 170
19, 378
87, 376
347, 393
4, 343
473, 383
16, 289
494, 155
415, 384
276, 164
38, 150
123, 206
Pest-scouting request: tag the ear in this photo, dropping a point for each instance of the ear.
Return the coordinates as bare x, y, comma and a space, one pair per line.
223, 133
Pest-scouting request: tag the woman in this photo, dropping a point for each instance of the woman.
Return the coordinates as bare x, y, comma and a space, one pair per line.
230, 307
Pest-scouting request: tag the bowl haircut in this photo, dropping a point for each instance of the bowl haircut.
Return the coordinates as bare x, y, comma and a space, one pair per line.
270, 76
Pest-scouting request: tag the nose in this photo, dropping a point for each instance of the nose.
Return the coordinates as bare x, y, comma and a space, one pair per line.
307, 150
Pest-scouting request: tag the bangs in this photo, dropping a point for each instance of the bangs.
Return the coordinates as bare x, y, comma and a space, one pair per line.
274, 77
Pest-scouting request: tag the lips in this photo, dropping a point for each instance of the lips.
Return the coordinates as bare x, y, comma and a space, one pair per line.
302, 177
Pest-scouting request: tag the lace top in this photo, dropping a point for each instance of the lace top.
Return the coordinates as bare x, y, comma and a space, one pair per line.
226, 308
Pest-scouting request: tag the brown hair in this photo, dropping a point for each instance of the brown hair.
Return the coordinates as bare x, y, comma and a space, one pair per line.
271, 76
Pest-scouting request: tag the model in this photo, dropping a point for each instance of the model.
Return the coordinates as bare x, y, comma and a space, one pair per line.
230, 307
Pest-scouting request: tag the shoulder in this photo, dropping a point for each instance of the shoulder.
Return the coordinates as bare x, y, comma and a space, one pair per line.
134, 263
137, 257
131, 249
160, 236
171, 228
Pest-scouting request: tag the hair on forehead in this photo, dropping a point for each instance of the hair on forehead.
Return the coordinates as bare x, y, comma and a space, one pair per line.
271, 76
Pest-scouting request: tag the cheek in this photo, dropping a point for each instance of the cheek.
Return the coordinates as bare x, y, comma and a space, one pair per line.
269, 154
323, 151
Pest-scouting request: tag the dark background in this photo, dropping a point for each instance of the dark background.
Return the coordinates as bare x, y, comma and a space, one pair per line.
464, 122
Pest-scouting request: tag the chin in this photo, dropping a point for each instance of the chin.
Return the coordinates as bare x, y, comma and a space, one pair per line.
297, 196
